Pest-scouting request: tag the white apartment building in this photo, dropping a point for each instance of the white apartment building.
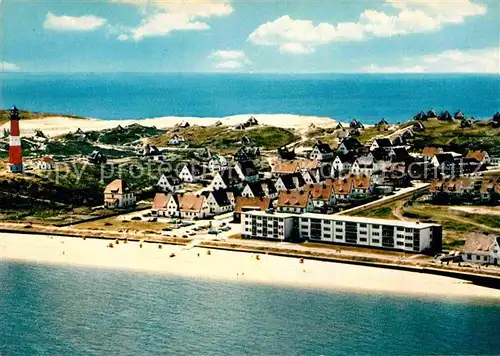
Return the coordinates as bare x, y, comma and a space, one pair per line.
259, 224
359, 231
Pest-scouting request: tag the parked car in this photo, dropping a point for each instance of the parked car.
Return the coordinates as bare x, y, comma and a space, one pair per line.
213, 232
136, 218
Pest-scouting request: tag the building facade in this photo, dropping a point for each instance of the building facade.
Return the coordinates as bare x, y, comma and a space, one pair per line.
364, 232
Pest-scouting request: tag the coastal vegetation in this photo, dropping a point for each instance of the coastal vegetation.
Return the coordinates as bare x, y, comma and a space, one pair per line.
480, 136
223, 137
31, 115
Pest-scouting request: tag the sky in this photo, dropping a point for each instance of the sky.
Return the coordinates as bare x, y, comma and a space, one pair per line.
385, 36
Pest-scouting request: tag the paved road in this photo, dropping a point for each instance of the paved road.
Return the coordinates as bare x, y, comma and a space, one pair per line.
401, 192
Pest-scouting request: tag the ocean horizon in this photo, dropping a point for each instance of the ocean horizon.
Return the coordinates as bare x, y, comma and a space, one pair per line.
343, 97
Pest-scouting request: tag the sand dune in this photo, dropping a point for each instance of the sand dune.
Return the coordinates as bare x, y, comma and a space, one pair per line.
58, 125
231, 266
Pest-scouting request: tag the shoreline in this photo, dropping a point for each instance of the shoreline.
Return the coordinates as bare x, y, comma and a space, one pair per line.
232, 266
59, 125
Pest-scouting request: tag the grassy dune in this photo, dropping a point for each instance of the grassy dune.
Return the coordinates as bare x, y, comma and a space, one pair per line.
29, 115
220, 137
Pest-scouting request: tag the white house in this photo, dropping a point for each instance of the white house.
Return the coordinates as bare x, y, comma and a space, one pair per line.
481, 156
363, 165
45, 164
247, 171
217, 163
310, 177
342, 164
176, 140
193, 206
118, 195
322, 195
321, 151
225, 179
191, 173
169, 183
289, 182
165, 205
295, 201
263, 188
479, 248
349, 144
218, 202
383, 143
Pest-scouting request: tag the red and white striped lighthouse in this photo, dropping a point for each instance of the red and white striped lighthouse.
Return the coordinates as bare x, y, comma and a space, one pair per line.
15, 150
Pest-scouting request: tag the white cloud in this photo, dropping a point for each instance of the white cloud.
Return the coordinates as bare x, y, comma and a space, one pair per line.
228, 54
451, 61
72, 23
163, 23
300, 36
163, 17
229, 59
412, 16
296, 48
9, 67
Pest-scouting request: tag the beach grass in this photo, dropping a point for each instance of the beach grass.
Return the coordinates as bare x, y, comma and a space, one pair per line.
223, 137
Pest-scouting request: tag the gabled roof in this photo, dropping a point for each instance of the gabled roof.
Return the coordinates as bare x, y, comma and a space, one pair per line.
191, 202
479, 244
400, 154
341, 186
320, 191
360, 182
292, 181
379, 154
307, 164
261, 203
478, 155
431, 151
161, 200
286, 167
230, 177
347, 158
220, 196
323, 148
450, 185
351, 143
118, 186
311, 175
171, 178
248, 168
490, 185
47, 159
195, 169
259, 188
294, 198
383, 142
444, 157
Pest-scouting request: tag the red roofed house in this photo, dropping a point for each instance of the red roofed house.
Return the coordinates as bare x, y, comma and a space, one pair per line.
295, 201
118, 195
250, 203
193, 206
165, 205
481, 156
322, 195
45, 163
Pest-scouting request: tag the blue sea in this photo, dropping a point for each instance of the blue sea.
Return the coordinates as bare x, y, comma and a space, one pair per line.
366, 97
47, 310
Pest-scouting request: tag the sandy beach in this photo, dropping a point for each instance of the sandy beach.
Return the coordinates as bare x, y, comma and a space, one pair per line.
59, 125
231, 266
